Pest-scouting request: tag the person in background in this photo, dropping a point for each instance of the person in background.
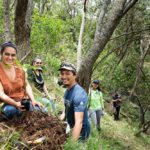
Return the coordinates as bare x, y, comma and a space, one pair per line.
75, 100
116, 104
35, 76
14, 87
96, 104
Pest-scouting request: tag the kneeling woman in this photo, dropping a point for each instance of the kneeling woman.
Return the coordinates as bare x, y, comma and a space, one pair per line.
13, 83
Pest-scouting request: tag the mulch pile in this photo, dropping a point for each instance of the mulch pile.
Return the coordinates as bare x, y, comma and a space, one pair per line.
39, 131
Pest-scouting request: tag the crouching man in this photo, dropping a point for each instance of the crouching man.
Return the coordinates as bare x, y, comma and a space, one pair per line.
75, 100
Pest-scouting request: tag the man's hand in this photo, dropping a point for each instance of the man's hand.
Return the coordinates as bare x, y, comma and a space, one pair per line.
62, 116
78, 125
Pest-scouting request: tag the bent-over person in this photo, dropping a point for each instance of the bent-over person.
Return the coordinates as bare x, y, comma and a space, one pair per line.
75, 100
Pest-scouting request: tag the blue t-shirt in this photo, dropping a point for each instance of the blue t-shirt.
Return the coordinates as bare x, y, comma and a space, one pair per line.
75, 100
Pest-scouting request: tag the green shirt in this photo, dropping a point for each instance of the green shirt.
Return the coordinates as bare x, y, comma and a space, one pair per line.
96, 100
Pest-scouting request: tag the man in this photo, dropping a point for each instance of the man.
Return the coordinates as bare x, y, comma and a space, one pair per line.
75, 100
116, 104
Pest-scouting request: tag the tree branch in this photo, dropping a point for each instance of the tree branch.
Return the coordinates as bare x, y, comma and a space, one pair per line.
133, 32
85, 3
129, 5
23, 58
113, 50
140, 66
102, 14
12, 4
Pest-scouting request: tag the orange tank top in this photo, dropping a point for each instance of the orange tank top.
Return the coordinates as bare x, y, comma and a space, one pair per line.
15, 89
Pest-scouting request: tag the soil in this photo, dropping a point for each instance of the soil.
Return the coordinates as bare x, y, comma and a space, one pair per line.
39, 131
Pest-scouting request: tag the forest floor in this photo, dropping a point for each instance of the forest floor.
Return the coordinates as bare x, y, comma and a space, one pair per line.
114, 135
39, 131
33, 130
122, 133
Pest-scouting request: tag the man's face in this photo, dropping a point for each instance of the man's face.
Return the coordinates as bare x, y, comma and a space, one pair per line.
68, 78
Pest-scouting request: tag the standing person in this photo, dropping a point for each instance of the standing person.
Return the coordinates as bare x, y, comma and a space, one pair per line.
116, 104
35, 76
75, 100
96, 104
14, 87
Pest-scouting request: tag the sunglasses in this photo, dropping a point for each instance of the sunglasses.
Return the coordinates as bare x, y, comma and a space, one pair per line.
38, 62
9, 54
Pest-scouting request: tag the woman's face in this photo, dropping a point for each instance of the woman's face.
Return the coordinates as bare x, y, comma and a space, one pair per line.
95, 86
37, 63
8, 56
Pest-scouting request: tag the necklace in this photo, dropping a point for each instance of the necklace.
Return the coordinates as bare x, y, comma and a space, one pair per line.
37, 80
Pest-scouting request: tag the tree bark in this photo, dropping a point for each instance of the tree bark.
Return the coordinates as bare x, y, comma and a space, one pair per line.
23, 26
79, 48
102, 36
42, 6
144, 49
7, 21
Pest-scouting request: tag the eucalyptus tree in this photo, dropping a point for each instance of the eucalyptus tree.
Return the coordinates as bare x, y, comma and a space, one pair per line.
126, 68
7, 20
79, 48
107, 23
22, 26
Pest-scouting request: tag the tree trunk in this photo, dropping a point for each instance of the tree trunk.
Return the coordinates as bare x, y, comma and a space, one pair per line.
79, 48
144, 128
102, 36
7, 21
23, 26
141, 117
42, 6
144, 49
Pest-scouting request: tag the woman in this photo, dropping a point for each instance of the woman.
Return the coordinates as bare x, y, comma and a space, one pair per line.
14, 87
35, 76
96, 105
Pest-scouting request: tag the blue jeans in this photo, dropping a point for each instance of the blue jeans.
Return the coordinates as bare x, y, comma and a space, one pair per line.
11, 111
48, 102
95, 117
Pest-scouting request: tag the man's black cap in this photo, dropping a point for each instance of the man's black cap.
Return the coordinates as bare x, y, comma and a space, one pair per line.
67, 66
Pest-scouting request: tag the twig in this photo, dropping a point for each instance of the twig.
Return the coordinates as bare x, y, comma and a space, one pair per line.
133, 32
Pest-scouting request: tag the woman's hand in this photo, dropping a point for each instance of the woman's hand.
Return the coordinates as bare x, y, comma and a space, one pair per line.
43, 94
19, 106
35, 103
